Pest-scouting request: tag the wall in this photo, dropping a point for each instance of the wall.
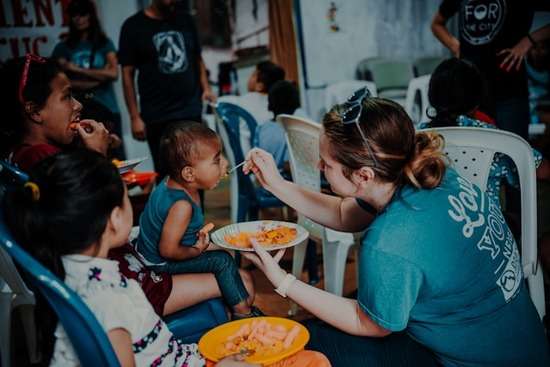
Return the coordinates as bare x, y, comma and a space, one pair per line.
391, 29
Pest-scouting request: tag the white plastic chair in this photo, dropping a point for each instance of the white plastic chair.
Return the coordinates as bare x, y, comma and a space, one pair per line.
339, 92
471, 152
302, 137
418, 87
14, 294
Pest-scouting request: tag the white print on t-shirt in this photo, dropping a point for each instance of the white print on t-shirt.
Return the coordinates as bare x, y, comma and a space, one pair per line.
467, 199
133, 263
497, 240
482, 20
171, 52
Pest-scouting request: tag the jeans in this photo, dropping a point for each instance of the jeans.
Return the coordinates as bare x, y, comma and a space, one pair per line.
219, 263
343, 350
512, 115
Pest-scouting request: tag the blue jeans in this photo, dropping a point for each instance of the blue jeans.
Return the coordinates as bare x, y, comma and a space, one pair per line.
512, 115
219, 263
343, 350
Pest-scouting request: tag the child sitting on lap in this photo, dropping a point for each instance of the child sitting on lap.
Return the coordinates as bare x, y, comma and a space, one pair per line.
170, 237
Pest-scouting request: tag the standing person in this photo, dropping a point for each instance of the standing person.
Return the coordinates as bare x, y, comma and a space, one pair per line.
88, 57
495, 36
426, 276
162, 44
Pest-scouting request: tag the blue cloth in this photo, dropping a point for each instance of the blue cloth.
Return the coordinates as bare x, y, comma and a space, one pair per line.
153, 217
502, 167
81, 55
442, 265
270, 136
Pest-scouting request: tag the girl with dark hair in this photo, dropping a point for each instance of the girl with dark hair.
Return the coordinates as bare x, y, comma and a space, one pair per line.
89, 59
430, 290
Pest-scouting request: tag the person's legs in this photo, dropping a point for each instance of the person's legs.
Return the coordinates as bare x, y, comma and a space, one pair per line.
304, 358
342, 349
190, 289
513, 115
154, 132
222, 265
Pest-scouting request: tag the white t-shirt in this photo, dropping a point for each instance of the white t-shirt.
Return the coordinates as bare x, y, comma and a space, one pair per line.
118, 302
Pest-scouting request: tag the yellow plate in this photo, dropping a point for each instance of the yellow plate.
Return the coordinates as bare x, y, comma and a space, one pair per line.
211, 343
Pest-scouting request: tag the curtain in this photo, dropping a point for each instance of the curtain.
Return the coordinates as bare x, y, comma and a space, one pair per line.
282, 38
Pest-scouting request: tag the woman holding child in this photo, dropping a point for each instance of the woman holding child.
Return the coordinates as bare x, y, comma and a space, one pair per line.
440, 281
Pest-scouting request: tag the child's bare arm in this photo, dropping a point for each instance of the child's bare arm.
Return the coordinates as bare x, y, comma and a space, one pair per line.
173, 230
122, 344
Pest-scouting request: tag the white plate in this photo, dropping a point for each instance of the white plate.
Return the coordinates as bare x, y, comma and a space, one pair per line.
218, 236
125, 166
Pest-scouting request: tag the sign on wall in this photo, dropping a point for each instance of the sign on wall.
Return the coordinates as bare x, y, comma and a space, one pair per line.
31, 26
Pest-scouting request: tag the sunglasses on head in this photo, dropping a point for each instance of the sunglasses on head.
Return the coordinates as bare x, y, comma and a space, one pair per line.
352, 112
25, 74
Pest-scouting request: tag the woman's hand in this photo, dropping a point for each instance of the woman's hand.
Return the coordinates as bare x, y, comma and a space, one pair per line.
262, 164
94, 135
515, 55
268, 264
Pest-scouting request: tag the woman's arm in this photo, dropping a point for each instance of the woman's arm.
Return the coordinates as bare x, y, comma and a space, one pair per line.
108, 73
342, 313
173, 230
130, 97
122, 344
330, 211
440, 31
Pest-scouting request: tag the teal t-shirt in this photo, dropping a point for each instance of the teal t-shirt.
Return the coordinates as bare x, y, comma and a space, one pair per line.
443, 265
81, 55
153, 217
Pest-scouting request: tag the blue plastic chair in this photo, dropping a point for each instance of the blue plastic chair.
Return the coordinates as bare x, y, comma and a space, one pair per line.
250, 198
87, 336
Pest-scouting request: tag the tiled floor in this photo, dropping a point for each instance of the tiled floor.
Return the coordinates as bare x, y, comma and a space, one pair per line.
217, 211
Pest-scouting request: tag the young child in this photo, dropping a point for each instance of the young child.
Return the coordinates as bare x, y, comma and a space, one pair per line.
91, 204
170, 237
283, 98
92, 209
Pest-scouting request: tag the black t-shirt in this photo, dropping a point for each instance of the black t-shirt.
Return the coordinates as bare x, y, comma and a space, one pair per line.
166, 54
489, 26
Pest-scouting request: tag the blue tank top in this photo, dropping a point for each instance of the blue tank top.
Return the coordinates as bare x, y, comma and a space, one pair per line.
153, 217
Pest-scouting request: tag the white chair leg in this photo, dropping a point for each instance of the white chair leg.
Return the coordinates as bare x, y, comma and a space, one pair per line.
29, 326
298, 258
5, 327
335, 255
536, 291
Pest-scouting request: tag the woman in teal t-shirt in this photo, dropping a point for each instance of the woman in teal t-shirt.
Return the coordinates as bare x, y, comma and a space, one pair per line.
89, 59
440, 279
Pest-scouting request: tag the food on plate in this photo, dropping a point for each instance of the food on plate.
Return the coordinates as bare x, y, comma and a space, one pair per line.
117, 162
279, 235
259, 338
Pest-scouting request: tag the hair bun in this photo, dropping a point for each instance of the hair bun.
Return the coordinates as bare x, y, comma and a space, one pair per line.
426, 166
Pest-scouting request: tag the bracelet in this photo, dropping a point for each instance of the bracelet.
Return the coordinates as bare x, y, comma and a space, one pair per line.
530, 39
285, 284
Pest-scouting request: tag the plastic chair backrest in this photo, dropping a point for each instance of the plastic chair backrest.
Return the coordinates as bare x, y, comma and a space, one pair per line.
471, 150
426, 65
339, 92
302, 137
363, 70
229, 120
417, 101
390, 74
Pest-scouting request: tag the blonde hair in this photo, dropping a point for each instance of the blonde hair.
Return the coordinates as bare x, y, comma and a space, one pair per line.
401, 156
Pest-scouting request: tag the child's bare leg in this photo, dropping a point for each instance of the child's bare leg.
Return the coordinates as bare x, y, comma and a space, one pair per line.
190, 289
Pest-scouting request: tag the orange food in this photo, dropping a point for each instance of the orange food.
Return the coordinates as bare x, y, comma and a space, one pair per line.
73, 125
207, 228
117, 162
269, 237
259, 338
